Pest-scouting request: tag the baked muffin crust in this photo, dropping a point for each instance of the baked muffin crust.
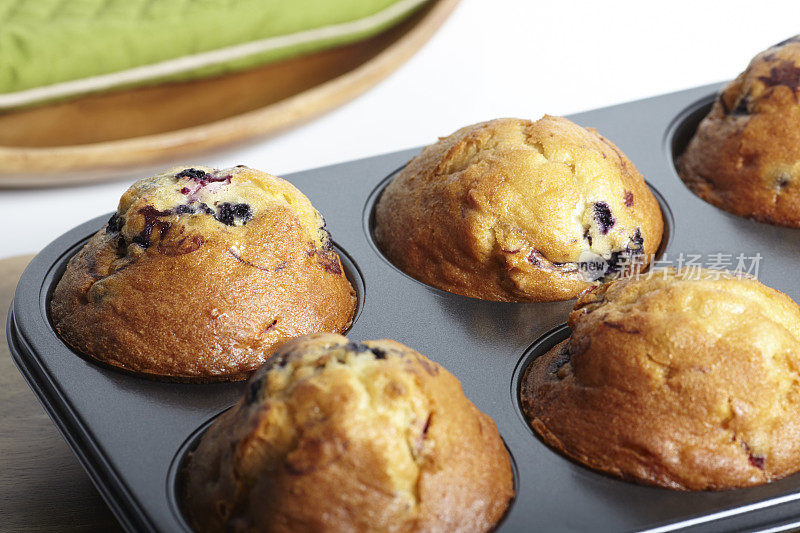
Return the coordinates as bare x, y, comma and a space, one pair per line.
200, 274
334, 435
514, 210
675, 381
745, 156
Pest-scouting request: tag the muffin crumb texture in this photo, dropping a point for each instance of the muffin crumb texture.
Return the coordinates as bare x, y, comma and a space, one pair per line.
514, 210
680, 381
333, 435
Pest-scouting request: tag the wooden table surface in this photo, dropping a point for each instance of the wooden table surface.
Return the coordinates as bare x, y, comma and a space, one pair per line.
42, 485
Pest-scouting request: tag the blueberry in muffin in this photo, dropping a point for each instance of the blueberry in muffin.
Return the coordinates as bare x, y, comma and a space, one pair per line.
514, 210
200, 274
745, 155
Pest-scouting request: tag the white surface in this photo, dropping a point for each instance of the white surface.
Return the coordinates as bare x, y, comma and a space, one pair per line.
492, 58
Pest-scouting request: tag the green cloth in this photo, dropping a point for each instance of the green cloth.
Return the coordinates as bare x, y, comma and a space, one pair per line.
46, 42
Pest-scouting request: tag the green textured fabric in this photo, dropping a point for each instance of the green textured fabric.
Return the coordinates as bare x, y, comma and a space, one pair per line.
45, 42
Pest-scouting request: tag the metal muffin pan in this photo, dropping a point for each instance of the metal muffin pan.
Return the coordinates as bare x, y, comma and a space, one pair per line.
130, 433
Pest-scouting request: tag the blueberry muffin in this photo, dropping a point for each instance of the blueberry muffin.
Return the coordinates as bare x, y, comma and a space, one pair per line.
688, 380
745, 156
514, 210
334, 435
200, 274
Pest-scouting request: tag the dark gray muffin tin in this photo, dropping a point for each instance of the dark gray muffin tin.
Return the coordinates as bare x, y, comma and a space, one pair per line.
131, 433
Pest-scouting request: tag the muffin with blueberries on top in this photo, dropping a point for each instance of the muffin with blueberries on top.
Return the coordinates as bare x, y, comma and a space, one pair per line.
745, 156
514, 210
200, 274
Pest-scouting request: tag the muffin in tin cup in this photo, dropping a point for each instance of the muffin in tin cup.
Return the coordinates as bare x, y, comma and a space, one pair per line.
515, 210
200, 274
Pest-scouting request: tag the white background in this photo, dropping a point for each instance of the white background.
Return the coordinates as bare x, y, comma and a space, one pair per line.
492, 58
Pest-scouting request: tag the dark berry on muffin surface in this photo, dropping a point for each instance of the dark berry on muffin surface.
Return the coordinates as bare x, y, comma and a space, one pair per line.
515, 210
199, 274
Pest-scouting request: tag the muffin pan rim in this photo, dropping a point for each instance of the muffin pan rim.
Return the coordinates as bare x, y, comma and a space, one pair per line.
679, 124
113, 491
525, 360
175, 474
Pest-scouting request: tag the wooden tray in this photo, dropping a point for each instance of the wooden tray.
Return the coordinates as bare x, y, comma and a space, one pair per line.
138, 131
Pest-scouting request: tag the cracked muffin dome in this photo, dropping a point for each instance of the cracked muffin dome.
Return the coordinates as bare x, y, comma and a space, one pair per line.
200, 274
688, 380
514, 210
334, 435
745, 156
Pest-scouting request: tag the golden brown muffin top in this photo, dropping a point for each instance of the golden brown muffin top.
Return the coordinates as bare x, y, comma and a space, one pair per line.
206, 201
770, 76
200, 273
745, 155
341, 436
688, 380
501, 199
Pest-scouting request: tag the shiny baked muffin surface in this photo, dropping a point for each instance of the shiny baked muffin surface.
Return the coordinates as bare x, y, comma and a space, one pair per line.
686, 380
334, 435
199, 274
514, 210
745, 155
